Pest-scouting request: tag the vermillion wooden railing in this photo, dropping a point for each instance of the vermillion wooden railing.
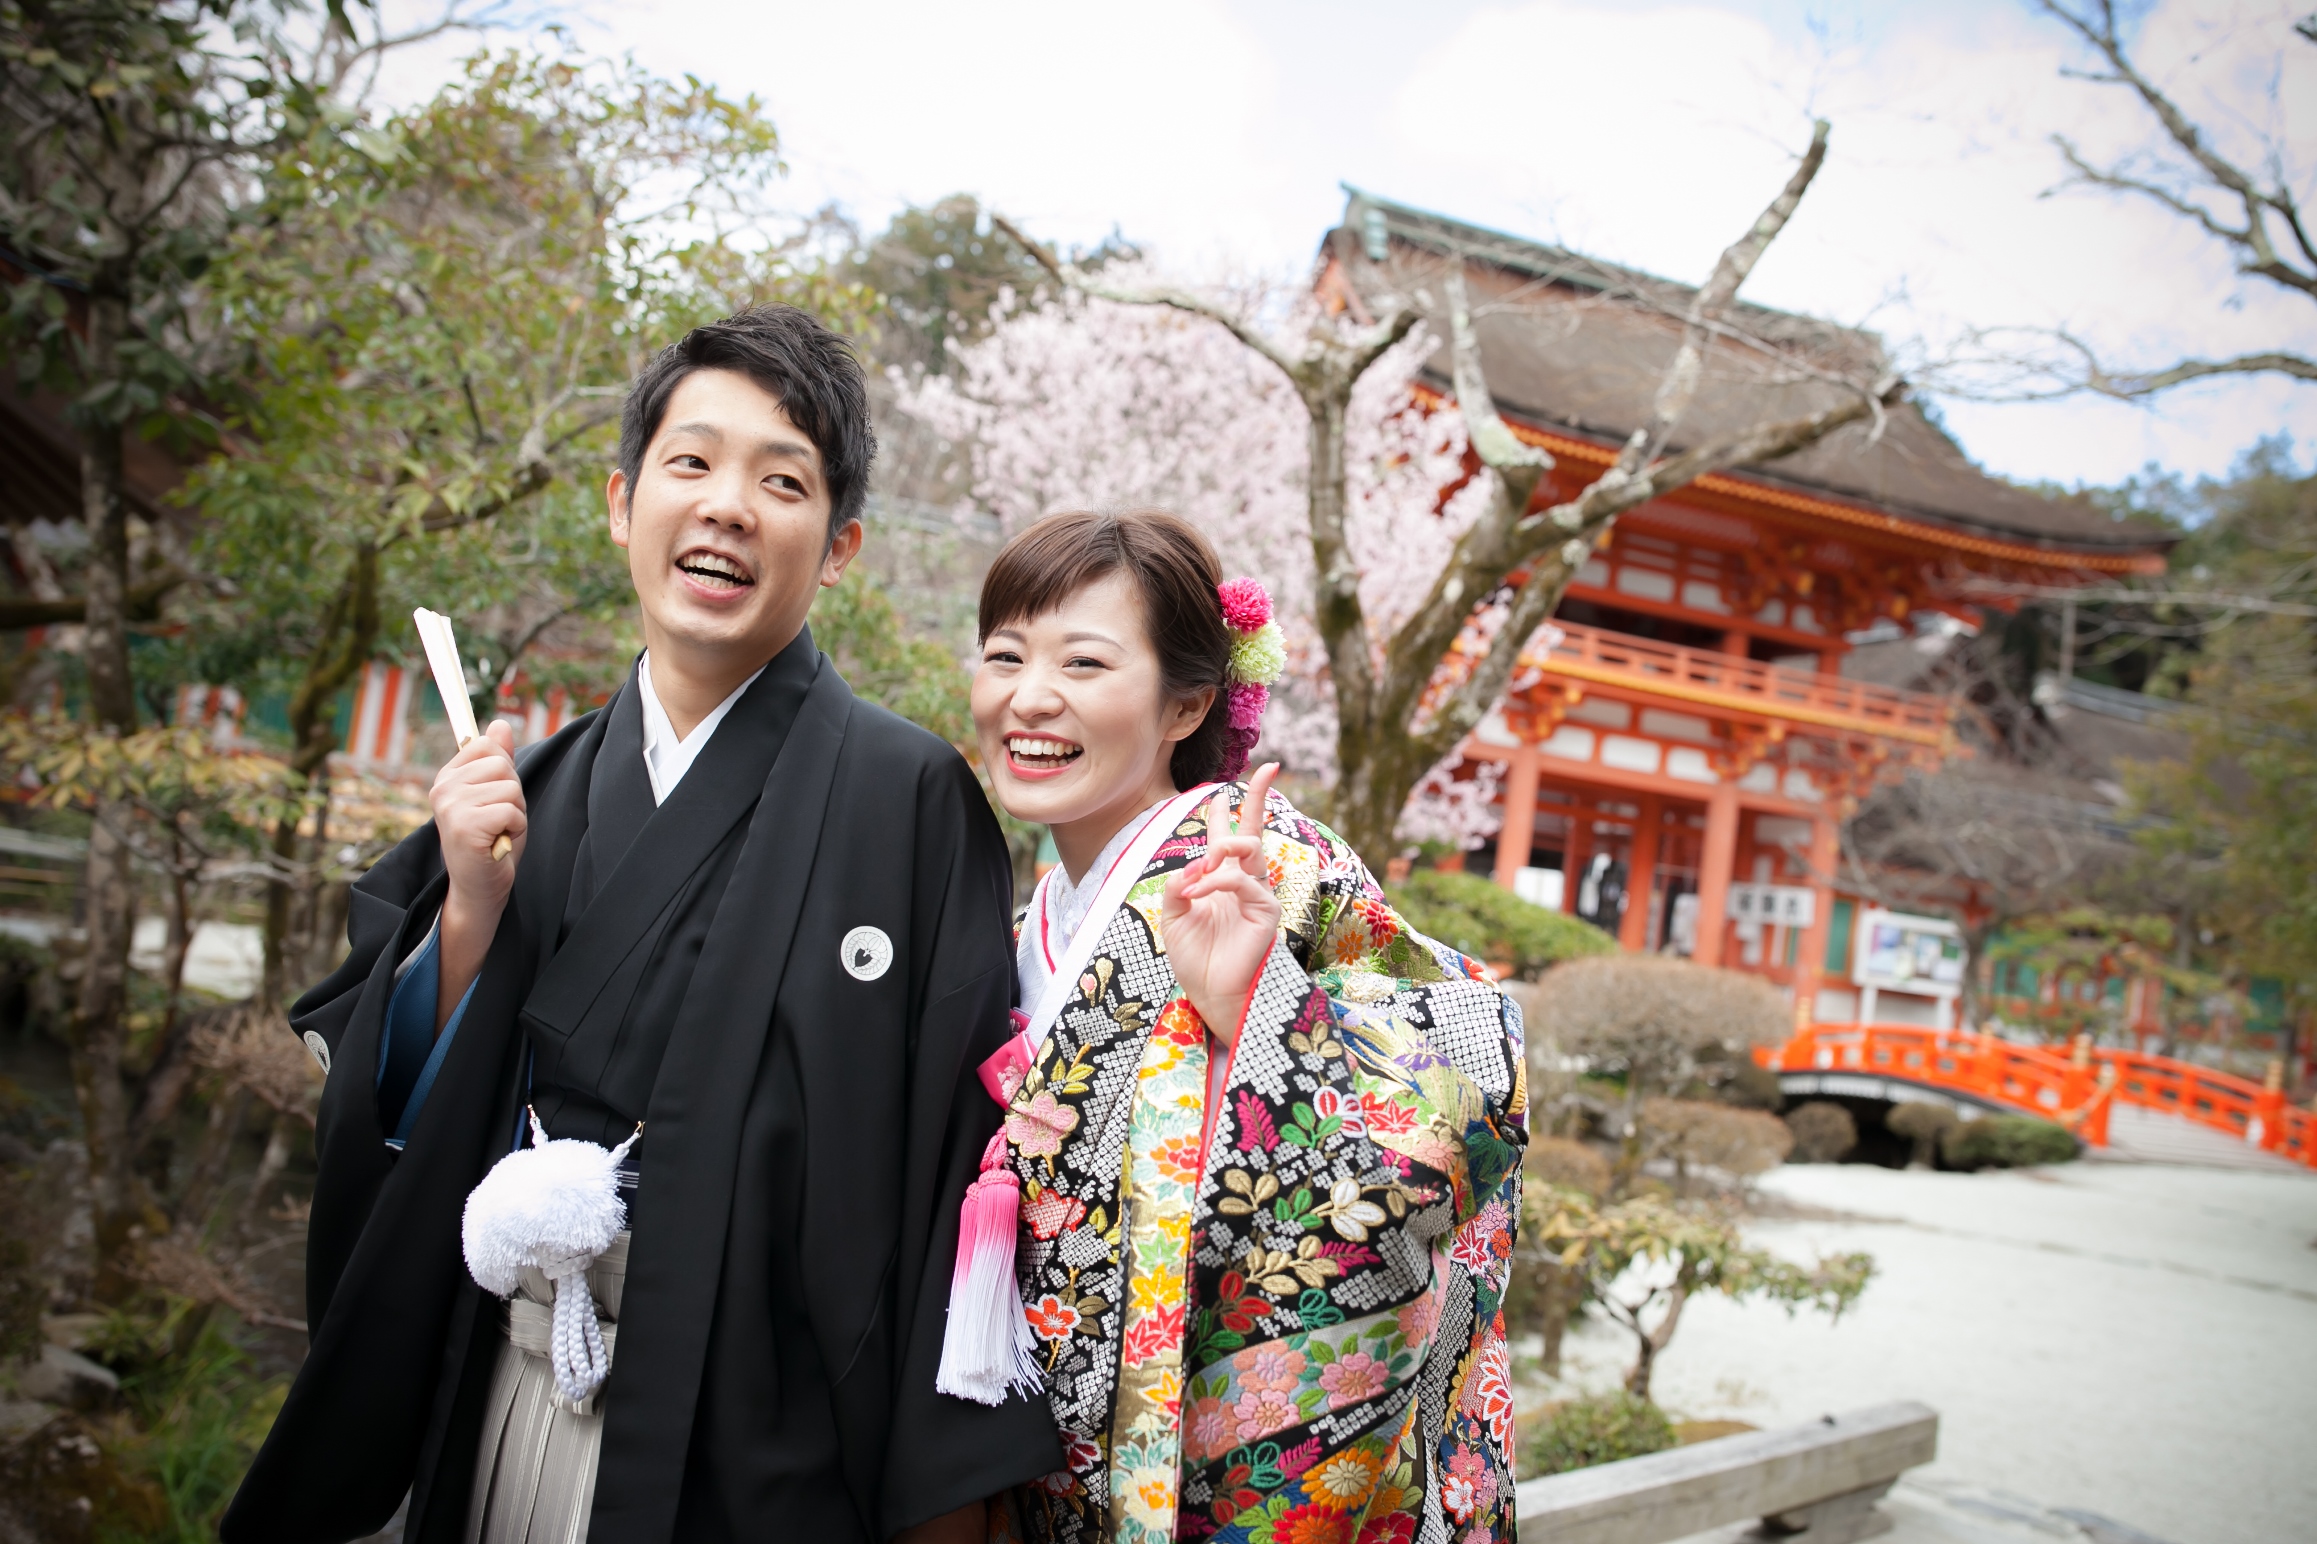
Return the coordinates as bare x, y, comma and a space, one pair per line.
1733, 683
2077, 1086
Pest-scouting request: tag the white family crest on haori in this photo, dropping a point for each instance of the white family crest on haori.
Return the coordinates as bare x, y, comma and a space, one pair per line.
554, 1205
867, 953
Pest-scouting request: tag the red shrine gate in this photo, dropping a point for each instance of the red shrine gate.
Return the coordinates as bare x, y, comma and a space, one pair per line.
1677, 761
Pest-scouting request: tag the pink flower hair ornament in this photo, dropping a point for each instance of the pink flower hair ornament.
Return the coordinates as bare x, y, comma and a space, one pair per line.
1258, 658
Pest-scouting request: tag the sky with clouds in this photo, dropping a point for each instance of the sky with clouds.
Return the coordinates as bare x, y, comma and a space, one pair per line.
1217, 134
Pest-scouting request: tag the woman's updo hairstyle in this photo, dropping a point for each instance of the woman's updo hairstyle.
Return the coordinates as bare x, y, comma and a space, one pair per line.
1177, 572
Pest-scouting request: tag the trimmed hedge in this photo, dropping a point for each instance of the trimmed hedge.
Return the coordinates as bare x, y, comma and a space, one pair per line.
1597, 1429
2006, 1142
1481, 919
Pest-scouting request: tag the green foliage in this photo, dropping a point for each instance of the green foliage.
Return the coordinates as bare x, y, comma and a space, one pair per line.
124, 119
1488, 922
2006, 1142
441, 310
1595, 1429
23, 1295
201, 1409
1684, 1249
1823, 1132
2228, 828
2088, 945
856, 625
939, 268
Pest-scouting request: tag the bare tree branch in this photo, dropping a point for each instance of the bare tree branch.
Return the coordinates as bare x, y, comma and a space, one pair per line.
1071, 276
1491, 437
1680, 382
2255, 248
2129, 386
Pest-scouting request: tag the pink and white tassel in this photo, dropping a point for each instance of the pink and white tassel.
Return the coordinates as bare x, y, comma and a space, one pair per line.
987, 1351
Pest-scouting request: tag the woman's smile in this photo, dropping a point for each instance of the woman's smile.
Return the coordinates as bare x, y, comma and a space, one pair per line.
1040, 756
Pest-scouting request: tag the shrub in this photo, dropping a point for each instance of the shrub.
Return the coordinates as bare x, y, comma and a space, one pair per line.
1484, 920
1596, 1429
1570, 1165
1922, 1124
2006, 1142
1823, 1133
1655, 1018
1690, 1250
1697, 1133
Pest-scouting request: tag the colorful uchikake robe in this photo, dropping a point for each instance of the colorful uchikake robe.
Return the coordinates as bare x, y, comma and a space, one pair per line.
1276, 1320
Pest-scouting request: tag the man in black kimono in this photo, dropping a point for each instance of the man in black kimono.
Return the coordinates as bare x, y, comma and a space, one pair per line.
765, 919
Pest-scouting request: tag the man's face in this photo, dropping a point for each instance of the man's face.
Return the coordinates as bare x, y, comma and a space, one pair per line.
727, 527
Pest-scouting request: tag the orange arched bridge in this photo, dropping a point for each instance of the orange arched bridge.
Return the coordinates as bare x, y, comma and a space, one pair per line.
2078, 1086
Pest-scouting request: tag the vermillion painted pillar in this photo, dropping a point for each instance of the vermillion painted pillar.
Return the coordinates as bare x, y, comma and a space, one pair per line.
1810, 962
1520, 816
1641, 884
1721, 853
1575, 851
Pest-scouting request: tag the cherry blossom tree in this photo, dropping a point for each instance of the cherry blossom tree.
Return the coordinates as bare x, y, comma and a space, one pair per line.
1075, 402
1425, 579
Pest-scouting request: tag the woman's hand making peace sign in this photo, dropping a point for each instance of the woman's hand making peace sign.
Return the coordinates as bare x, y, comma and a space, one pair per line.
1219, 915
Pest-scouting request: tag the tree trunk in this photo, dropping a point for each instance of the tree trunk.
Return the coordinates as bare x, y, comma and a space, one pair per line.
99, 1035
211, 1161
349, 634
269, 1169
1653, 1342
180, 937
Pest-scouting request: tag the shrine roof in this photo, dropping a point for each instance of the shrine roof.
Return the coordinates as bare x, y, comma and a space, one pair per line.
1576, 346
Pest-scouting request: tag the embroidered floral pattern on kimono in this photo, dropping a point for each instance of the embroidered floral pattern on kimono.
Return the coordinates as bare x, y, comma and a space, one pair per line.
1276, 1320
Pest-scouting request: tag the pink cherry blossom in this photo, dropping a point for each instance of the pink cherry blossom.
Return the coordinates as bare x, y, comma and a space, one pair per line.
1352, 1377
1076, 403
1269, 1367
1264, 1411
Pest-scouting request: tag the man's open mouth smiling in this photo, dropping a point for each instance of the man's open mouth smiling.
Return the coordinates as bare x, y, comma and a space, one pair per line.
714, 571
1038, 753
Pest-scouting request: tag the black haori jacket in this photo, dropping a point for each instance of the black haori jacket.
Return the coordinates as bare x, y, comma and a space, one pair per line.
809, 1131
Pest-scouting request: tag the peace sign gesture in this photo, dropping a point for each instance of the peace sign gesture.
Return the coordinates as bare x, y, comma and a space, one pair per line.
1219, 916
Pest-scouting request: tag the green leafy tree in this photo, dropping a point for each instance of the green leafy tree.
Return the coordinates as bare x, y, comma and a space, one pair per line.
1644, 1258
443, 309
2229, 826
2070, 955
940, 267
126, 124
856, 624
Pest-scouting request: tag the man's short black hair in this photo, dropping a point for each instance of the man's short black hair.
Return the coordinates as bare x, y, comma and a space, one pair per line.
793, 355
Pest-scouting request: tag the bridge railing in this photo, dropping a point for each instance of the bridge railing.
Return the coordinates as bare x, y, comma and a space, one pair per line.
2076, 1086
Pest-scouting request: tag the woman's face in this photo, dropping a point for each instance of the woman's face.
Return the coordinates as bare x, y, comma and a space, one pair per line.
1074, 721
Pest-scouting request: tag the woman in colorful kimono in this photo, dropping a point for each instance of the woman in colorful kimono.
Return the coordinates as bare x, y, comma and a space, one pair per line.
1264, 1138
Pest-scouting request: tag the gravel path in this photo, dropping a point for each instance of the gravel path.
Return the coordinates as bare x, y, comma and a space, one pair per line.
2133, 1341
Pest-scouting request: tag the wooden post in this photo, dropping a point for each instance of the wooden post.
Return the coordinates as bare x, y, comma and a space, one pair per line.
1519, 831
2269, 1107
1714, 865
1574, 851
1641, 883
2076, 1082
2094, 1127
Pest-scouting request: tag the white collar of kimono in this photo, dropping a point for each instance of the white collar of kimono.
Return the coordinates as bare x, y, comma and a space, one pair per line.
1061, 930
668, 755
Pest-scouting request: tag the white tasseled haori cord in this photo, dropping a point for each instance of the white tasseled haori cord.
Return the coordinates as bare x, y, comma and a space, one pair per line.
988, 1350
554, 1205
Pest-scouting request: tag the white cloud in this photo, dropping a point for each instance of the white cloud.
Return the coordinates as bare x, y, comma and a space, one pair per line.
1215, 132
